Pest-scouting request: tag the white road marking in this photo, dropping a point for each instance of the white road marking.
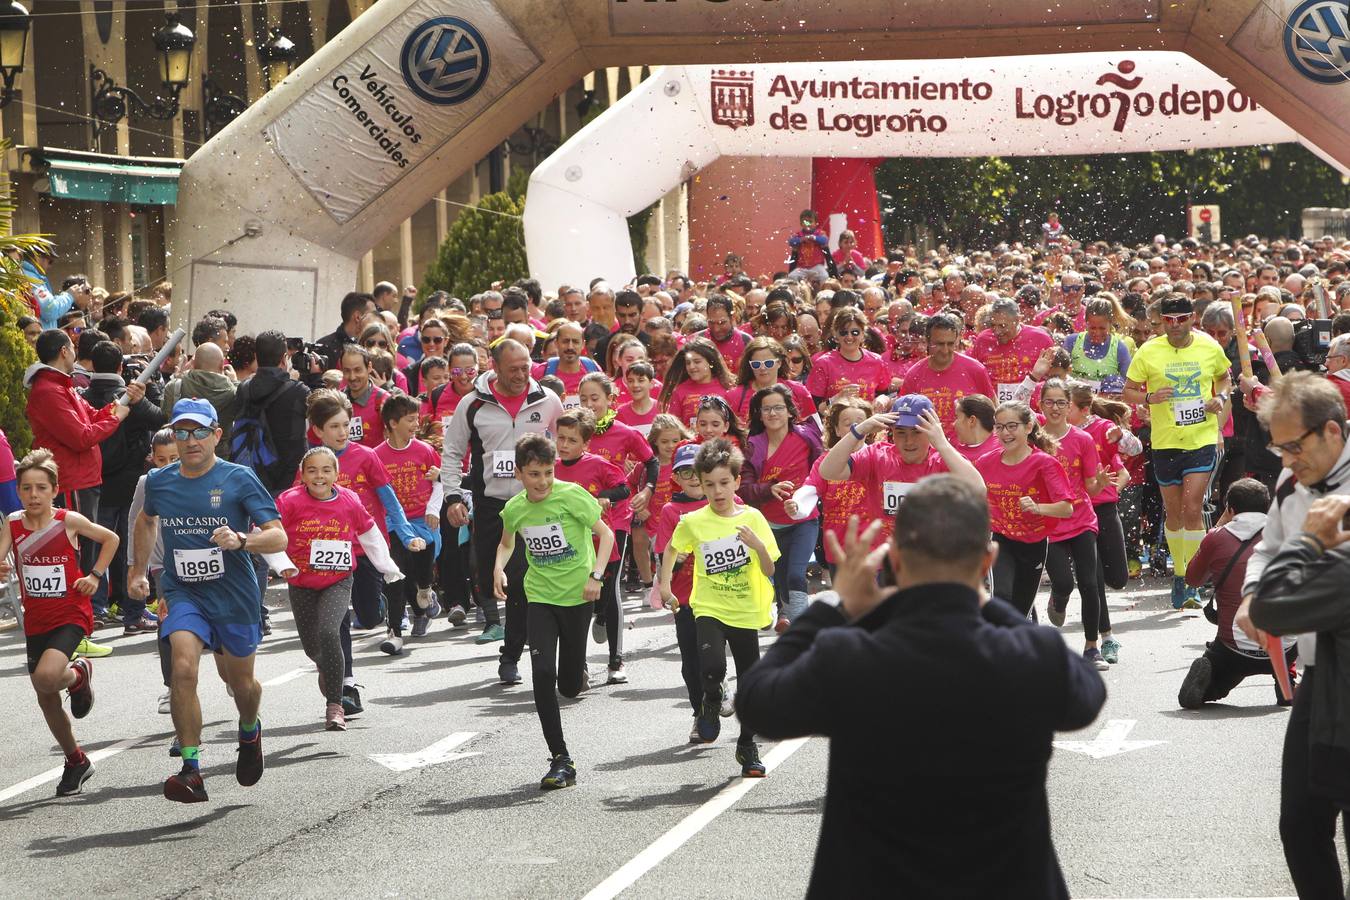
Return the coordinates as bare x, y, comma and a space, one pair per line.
1110, 741
53, 774
437, 753
691, 825
288, 676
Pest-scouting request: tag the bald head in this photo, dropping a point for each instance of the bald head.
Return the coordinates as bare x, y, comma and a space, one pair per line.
209, 358
1279, 334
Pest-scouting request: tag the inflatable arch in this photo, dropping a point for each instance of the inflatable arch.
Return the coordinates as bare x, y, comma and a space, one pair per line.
278, 208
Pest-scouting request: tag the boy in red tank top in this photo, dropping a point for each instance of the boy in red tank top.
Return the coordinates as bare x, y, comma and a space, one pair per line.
57, 612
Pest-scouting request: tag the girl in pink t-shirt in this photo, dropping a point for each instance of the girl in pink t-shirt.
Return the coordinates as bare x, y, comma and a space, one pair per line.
837, 499
1028, 492
696, 373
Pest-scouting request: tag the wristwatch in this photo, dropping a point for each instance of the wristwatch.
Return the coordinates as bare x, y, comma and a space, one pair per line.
598, 576
97, 574
242, 538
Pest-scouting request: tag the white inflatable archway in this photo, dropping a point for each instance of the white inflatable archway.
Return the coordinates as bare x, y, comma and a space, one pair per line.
276, 210
581, 196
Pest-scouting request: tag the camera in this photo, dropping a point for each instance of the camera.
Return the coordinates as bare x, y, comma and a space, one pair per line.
1312, 338
134, 365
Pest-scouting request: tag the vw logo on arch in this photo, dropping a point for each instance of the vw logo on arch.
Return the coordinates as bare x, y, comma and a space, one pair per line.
1317, 41
445, 60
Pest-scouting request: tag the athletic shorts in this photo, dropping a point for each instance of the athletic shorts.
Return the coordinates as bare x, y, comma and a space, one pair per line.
1171, 466
240, 640
63, 638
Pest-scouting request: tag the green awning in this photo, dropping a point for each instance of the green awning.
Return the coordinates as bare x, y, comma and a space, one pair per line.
113, 182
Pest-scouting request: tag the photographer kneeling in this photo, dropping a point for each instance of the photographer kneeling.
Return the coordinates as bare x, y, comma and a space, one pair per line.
900, 811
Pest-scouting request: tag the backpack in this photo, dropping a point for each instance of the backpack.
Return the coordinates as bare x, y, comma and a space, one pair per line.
251, 442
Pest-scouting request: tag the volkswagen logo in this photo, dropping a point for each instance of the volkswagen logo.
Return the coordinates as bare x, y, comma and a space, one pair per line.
1317, 41
445, 60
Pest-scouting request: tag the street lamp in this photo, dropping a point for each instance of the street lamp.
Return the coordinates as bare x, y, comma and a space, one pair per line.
1265, 155
112, 102
14, 25
277, 55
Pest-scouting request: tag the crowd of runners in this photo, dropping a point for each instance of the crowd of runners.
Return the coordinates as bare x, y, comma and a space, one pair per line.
529, 465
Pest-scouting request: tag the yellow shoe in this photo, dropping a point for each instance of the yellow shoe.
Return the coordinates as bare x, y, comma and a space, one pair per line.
90, 649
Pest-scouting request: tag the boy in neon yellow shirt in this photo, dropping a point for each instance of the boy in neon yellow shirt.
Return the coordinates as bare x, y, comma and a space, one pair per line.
732, 598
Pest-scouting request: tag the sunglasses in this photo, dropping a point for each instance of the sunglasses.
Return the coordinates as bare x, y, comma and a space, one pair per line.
382, 344
1176, 318
432, 340
758, 364
459, 371
200, 434
796, 361
853, 332
1073, 289
74, 330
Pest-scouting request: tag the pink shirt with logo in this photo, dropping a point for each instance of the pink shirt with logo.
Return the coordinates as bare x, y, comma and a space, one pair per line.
1077, 453
407, 470
684, 400
366, 426
306, 520
1039, 476
831, 373
1108, 454
1010, 363
878, 465
945, 389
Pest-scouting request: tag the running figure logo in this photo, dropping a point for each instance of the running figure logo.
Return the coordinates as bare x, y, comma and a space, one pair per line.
733, 98
445, 60
1317, 41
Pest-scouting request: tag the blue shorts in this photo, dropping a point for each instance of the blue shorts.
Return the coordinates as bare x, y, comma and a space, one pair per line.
238, 640
1171, 466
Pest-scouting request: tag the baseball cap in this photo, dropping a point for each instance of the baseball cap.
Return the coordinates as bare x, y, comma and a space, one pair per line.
199, 411
682, 308
684, 457
1176, 304
909, 408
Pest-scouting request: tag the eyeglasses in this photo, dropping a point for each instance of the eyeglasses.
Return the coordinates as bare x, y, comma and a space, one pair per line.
1007, 426
432, 340
796, 361
1054, 404
384, 344
459, 371
758, 364
773, 409
198, 434
1176, 318
1072, 289
852, 332
74, 330
1294, 447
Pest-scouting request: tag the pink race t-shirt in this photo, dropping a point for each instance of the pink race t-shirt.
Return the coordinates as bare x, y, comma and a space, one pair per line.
306, 520
787, 463
407, 469
973, 453
1039, 476
1079, 320
641, 422
887, 478
1077, 453
838, 501
742, 395
1010, 363
626, 448
946, 388
366, 427
1108, 454
595, 474
831, 373
360, 471
684, 400
512, 405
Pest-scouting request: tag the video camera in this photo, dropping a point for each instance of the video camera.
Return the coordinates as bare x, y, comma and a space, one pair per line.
133, 365
1312, 338
304, 355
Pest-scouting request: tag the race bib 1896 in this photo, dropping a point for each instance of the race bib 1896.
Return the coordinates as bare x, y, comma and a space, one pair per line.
503, 464
46, 582
545, 543
1188, 412
330, 556
724, 555
199, 565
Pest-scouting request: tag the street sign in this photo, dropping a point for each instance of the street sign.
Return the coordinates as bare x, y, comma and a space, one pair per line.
1202, 223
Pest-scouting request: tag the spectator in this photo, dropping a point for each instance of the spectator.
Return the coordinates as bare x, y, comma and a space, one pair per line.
155, 321
285, 401
354, 308
206, 380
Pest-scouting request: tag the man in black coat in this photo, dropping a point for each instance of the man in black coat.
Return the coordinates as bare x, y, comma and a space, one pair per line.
940, 705
285, 400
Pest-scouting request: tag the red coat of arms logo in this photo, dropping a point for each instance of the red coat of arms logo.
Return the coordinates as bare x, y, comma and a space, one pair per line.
733, 98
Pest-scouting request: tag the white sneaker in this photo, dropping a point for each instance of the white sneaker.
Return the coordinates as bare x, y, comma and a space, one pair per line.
617, 675
392, 644
728, 701
164, 703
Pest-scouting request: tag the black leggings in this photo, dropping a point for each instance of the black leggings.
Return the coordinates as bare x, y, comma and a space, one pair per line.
1064, 560
455, 568
1017, 571
686, 635
1307, 820
557, 638
713, 638
487, 534
609, 610
416, 569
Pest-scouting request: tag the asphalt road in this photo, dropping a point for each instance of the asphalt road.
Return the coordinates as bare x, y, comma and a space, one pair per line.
1194, 815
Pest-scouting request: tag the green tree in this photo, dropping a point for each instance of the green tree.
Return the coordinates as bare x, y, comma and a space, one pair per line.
486, 243
15, 354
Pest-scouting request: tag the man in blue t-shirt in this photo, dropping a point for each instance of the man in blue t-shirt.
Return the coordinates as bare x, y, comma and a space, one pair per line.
204, 508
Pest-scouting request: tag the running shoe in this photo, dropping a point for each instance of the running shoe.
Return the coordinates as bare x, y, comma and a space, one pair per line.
82, 698
748, 756
405, 624
149, 613
1111, 650
1094, 656
73, 778
164, 704
249, 767
351, 700
728, 702
616, 673
562, 772
426, 599
710, 720
420, 625
1191, 599
694, 736
185, 787
1178, 592
1192, 693
1054, 613
491, 634
392, 644
598, 632
266, 626
90, 649
176, 749
143, 625
1135, 567
457, 615
333, 718
508, 672
781, 625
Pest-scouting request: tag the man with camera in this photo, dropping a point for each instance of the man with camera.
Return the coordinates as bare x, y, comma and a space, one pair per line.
1306, 420
354, 308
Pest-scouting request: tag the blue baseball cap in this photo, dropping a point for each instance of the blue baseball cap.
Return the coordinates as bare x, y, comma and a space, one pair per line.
909, 408
199, 411
684, 457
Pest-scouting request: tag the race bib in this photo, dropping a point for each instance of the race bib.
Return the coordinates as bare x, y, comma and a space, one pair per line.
545, 543
503, 464
1188, 412
1007, 392
330, 556
895, 492
643, 430
725, 555
571, 401
199, 565
46, 582
356, 429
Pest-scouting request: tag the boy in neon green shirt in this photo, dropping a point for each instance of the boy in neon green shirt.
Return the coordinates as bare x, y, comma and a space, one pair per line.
556, 521
732, 598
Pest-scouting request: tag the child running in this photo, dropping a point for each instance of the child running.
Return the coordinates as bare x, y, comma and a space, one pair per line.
666, 434
556, 520
732, 595
57, 613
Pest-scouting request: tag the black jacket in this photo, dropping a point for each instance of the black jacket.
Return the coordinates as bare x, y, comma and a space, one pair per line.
940, 716
285, 420
330, 345
126, 450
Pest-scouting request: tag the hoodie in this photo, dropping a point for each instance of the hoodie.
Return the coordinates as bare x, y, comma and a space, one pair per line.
64, 423
126, 449
212, 387
51, 307
483, 428
285, 420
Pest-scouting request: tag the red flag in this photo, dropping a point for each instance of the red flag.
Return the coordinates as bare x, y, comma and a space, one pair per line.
1276, 652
